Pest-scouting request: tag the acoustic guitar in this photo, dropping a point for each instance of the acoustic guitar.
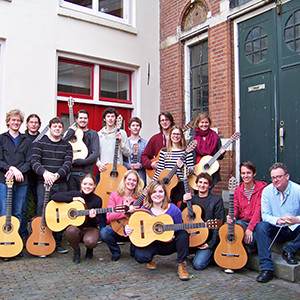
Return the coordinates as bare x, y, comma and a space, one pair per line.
151, 172
111, 177
230, 253
192, 214
41, 241
59, 215
11, 243
148, 228
80, 150
210, 164
167, 176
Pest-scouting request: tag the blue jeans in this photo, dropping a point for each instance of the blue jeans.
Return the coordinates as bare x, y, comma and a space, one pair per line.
18, 199
202, 259
245, 224
265, 234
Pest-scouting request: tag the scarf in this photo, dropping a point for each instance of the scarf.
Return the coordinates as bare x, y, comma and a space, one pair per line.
207, 146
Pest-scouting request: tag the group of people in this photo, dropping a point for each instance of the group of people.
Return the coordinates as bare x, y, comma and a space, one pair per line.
32, 162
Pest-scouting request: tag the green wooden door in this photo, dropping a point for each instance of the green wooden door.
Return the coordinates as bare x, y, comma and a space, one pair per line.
269, 63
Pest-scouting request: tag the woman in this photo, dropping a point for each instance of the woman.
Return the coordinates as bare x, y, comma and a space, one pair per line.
208, 142
129, 190
157, 203
171, 156
87, 233
247, 203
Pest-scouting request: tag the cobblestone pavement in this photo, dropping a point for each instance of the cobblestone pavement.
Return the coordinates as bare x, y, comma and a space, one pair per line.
56, 277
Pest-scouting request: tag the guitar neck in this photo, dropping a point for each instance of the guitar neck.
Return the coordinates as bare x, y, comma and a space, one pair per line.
85, 212
8, 206
41, 134
174, 169
140, 200
46, 200
115, 161
189, 202
71, 115
218, 154
231, 213
168, 227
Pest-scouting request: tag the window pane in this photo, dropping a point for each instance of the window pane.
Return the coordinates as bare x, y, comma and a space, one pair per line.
112, 7
115, 84
85, 3
75, 79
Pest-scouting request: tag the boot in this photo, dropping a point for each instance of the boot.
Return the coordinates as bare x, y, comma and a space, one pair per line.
182, 273
88, 254
151, 265
76, 257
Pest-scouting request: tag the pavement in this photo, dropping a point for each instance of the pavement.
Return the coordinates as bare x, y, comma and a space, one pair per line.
56, 277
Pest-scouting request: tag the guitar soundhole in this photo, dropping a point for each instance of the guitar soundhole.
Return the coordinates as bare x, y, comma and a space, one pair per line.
73, 139
206, 166
158, 228
231, 238
72, 214
7, 228
114, 174
166, 181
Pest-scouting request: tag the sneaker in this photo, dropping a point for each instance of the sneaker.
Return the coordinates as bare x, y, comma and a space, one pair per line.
151, 265
42, 256
99, 241
182, 273
61, 249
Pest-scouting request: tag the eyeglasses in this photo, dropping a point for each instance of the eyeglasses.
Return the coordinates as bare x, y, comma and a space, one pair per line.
278, 177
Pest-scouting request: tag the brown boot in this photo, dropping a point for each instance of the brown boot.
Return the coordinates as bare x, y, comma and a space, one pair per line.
182, 273
151, 265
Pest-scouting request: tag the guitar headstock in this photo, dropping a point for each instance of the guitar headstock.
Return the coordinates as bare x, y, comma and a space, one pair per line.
191, 146
232, 183
47, 187
9, 182
119, 122
71, 102
135, 149
235, 136
121, 208
213, 224
188, 126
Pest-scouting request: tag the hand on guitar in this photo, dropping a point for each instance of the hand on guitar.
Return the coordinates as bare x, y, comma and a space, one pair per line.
14, 172
102, 167
229, 220
132, 209
92, 213
49, 177
128, 230
154, 165
79, 199
204, 246
135, 166
179, 163
186, 197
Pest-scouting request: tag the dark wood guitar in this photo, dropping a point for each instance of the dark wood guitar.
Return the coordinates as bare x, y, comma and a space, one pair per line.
151, 172
210, 164
41, 241
80, 149
230, 253
110, 178
11, 243
192, 214
59, 215
148, 228
167, 176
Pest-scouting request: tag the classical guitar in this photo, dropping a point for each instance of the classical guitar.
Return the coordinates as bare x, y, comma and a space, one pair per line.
41, 241
148, 228
110, 178
230, 253
80, 149
192, 214
59, 215
210, 164
11, 243
118, 225
167, 176
151, 172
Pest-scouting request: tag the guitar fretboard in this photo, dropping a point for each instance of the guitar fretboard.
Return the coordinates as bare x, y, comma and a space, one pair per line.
168, 227
8, 206
86, 212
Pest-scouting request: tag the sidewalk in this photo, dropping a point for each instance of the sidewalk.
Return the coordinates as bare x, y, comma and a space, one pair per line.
56, 277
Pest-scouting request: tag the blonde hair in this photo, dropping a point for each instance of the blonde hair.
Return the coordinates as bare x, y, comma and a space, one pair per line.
139, 186
202, 116
182, 140
12, 113
91, 176
148, 203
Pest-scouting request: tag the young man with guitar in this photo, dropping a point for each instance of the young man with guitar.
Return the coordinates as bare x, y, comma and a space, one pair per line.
280, 209
82, 166
52, 171
213, 208
15, 151
137, 146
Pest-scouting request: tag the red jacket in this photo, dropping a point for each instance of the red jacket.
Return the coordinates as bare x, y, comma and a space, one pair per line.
249, 211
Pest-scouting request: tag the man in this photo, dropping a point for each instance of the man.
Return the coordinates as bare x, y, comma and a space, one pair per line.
15, 151
81, 167
51, 161
280, 208
157, 141
135, 125
212, 208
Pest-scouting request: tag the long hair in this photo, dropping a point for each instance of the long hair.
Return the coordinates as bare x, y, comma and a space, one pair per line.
182, 143
148, 203
200, 117
91, 176
139, 186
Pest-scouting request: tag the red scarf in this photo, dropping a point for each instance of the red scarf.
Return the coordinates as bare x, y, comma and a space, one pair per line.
207, 146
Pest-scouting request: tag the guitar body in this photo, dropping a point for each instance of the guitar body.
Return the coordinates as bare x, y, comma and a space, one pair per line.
151, 172
231, 254
169, 183
109, 181
59, 215
198, 236
41, 240
80, 150
11, 243
119, 225
147, 228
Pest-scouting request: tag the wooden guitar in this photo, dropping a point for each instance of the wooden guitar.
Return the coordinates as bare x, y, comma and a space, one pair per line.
167, 176
151, 172
192, 214
59, 215
230, 253
210, 164
41, 241
148, 228
80, 149
110, 178
119, 224
11, 243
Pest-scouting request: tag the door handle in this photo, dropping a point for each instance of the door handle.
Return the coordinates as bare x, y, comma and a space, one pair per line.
281, 136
